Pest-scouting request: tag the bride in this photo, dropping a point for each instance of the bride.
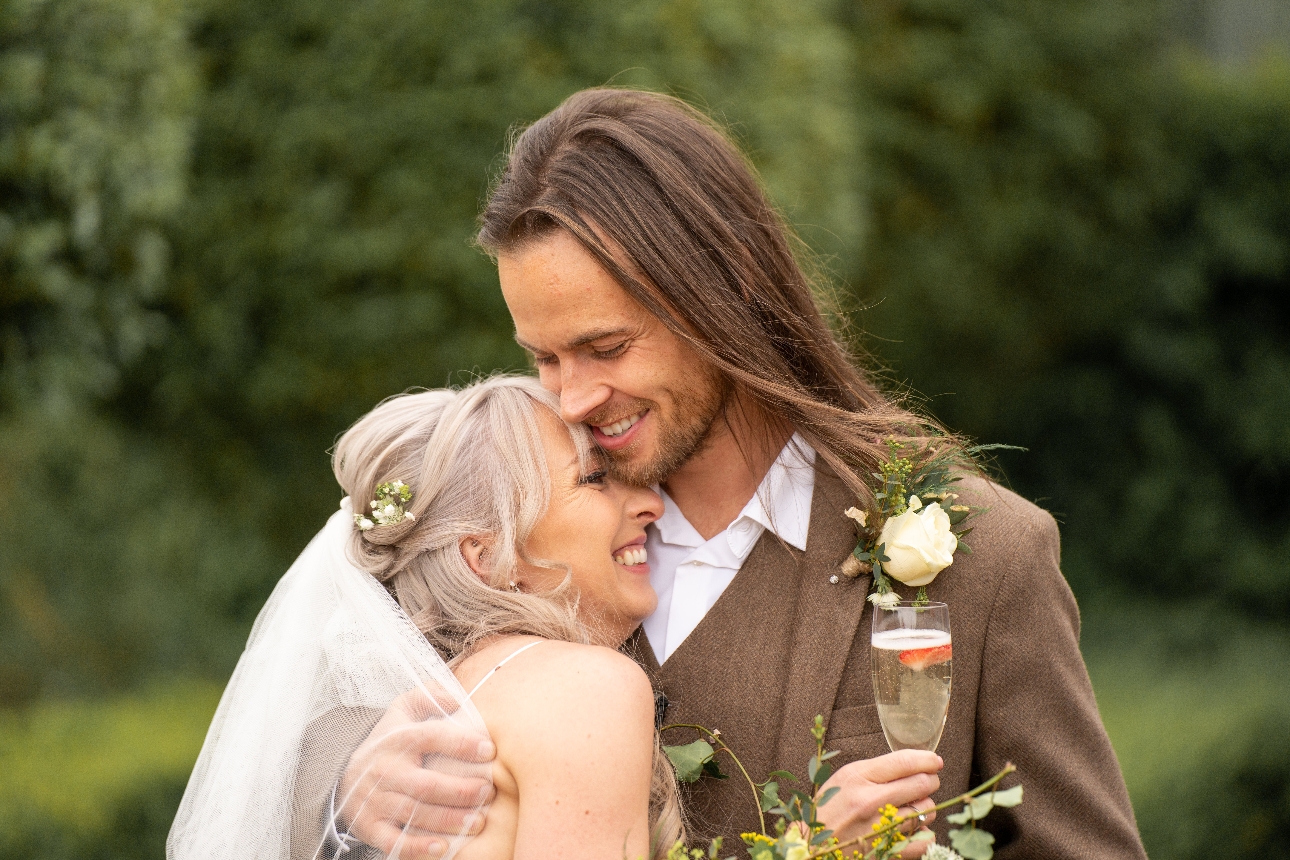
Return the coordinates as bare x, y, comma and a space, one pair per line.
481, 547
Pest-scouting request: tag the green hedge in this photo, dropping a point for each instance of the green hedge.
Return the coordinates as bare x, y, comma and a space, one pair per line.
99, 778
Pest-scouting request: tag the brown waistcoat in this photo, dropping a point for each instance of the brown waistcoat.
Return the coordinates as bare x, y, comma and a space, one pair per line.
783, 644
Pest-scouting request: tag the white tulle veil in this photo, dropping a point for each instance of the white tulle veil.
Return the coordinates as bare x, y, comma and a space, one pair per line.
329, 653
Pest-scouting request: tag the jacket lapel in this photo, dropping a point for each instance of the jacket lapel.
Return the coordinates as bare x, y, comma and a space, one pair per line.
825, 626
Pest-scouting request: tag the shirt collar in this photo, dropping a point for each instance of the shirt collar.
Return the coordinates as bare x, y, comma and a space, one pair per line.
781, 504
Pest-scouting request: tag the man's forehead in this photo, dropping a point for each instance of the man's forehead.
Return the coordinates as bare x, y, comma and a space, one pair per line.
560, 297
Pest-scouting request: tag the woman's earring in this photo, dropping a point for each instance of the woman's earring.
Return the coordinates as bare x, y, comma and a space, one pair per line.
515, 586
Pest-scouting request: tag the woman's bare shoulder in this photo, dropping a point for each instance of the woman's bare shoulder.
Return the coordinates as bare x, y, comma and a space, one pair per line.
558, 690
572, 673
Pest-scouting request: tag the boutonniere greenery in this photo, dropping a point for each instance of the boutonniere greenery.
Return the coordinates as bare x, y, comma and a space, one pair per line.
917, 523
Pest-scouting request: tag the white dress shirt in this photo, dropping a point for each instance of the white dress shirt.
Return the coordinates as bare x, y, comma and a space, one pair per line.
689, 574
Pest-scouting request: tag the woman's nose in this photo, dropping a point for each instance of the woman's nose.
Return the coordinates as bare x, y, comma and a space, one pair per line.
644, 505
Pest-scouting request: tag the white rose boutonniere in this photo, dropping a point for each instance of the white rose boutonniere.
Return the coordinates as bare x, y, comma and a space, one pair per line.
916, 526
919, 543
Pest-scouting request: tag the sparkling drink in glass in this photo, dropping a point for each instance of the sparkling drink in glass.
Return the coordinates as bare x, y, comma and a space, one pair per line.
912, 661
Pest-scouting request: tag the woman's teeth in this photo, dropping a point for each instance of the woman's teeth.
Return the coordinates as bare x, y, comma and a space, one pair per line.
632, 557
618, 428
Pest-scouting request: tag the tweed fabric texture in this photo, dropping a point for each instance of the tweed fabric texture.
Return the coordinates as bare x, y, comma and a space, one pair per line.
783, 644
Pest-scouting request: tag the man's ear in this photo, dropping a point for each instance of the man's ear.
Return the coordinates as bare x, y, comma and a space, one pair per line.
475, 550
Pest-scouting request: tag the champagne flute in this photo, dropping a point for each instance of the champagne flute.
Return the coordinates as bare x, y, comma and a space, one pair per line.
912, 660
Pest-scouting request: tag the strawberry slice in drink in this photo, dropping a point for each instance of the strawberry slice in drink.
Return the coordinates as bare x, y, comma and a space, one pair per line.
919, 659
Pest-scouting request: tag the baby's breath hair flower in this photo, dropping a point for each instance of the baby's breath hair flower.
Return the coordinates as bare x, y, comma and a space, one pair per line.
387, 508
940, 852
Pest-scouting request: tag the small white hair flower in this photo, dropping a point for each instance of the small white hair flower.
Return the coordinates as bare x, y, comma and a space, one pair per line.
858, 515
915, 503
388, 507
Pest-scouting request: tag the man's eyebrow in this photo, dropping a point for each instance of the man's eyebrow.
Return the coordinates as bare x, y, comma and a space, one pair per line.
580, 340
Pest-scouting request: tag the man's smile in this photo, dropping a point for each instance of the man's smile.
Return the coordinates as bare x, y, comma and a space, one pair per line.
620, 426
618, 434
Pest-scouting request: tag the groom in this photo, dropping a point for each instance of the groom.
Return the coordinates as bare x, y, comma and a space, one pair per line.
658, 295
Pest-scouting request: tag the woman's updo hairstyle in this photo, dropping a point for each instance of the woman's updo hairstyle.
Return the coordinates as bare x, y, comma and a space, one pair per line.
475, 463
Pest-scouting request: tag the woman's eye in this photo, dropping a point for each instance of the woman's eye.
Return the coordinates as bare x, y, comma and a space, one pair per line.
596, 477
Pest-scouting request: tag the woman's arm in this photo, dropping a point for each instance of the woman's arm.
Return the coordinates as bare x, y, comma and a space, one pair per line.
574, 725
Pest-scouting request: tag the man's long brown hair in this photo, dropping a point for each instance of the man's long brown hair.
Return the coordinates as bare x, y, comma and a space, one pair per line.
669, 206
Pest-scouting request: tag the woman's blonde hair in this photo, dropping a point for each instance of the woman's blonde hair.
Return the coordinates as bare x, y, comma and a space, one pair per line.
475, 462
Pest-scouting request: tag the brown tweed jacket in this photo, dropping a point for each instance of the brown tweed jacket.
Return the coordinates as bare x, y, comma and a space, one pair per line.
783, 644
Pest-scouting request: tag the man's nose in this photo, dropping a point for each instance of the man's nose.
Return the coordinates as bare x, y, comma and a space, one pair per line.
580, 395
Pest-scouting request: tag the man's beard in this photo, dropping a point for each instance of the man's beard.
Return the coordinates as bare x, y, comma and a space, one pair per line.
696, 411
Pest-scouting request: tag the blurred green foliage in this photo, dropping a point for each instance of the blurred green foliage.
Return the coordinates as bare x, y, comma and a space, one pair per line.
99, 779
1088, 243
1199, 727
229, 227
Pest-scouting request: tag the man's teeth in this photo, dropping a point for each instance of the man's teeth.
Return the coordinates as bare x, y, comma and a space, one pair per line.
631, 557
620, 427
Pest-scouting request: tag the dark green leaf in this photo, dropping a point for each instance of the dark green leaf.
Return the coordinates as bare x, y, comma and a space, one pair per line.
712, 769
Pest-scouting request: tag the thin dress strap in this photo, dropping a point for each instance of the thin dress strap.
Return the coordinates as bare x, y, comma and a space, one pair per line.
508, 658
